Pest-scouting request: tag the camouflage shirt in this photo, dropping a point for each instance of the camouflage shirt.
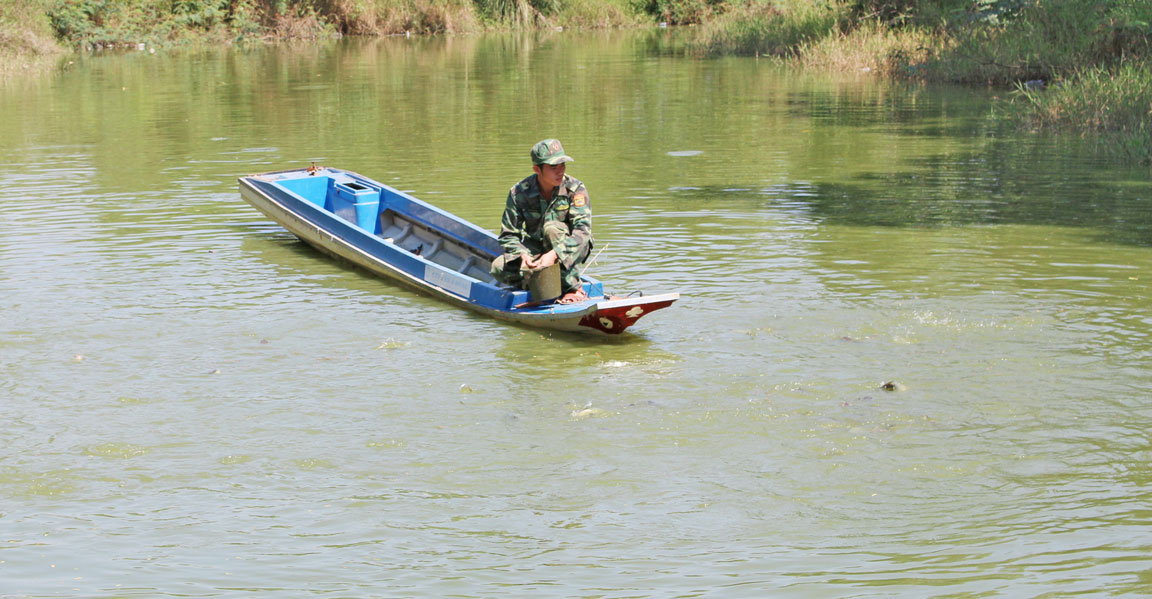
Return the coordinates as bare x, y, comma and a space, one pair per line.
529, 219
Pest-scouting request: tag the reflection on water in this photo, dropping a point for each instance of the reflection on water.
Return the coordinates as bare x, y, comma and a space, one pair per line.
198, 404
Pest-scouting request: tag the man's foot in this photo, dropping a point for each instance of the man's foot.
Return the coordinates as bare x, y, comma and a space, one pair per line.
573, 297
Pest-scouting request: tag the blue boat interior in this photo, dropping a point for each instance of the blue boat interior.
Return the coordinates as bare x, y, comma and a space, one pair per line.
385, 213
420, 230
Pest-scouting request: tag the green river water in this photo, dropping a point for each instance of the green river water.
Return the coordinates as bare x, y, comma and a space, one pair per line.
195, 404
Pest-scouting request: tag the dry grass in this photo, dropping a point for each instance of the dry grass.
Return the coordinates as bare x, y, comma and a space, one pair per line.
597, 14
26, 41
392, 17
873, 48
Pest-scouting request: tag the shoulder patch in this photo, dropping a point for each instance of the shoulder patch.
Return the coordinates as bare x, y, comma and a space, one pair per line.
579, 200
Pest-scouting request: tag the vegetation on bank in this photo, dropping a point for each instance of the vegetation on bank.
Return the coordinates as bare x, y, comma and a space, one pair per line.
1083, 66
1080, 65
27, 40
113, 22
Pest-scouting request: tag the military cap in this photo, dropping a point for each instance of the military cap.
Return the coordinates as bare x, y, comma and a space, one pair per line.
549, 151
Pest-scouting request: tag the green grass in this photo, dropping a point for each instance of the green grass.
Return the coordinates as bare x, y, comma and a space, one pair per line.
1081, 68
1087, 61
160, 22
111, 23
1040, 41
1112, 104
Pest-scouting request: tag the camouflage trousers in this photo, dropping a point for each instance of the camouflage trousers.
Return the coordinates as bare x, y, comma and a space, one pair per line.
569, 255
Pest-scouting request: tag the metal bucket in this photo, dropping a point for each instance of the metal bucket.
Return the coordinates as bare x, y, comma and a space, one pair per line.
544, 284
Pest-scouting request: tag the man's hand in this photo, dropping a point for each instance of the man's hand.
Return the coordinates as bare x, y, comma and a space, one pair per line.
542, 261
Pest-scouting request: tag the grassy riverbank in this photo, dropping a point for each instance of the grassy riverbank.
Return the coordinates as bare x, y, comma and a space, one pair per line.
27, 42
116, 22
1081, 67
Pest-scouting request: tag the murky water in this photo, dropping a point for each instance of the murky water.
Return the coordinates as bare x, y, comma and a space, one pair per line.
195, 404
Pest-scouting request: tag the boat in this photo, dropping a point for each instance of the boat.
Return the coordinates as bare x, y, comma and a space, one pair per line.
395, 235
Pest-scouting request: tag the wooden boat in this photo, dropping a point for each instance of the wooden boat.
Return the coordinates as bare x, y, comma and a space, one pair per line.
393, 234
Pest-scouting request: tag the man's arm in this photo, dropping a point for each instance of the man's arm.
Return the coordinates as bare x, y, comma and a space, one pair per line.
512, 228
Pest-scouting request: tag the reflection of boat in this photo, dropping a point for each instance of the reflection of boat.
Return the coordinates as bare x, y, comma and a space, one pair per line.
393, 234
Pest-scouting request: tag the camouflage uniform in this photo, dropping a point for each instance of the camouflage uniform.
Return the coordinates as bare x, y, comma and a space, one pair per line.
533, 225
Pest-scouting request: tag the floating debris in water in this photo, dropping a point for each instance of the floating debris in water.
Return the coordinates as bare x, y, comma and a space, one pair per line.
466, 389
588, 412
50, 487
78, 358
115, 450
313, 464
683, 153
391, 343
892, 386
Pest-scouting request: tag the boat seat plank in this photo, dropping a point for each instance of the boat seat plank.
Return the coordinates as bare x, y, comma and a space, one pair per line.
405, 230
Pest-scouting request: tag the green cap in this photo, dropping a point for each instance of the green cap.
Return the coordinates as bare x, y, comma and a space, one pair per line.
549, 151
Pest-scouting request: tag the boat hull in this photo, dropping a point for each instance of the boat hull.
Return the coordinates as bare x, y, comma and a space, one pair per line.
382, 240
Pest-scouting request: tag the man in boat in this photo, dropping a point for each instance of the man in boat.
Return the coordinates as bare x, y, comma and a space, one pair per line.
547, 220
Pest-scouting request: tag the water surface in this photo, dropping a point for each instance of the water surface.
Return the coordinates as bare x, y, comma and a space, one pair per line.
196, 404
